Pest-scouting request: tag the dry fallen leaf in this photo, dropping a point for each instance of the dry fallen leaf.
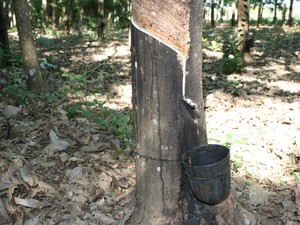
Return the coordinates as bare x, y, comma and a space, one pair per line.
11, 111
56, 144
74, 209
3, 212
257, 195
32, 221
104, 219
28, 202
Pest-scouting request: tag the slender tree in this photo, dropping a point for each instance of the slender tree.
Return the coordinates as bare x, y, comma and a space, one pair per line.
101, 20
212, 13
204, 9
283, 12
10, 17
233, 9
80, 17
54, 13
44, 13
243, 30
67, 17
4, 43
221, 10
259, 14
169, 112
27, 45
290, 20
275, 11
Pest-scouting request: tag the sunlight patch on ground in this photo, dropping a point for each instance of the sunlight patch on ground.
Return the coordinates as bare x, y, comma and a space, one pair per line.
289, 86
265, 124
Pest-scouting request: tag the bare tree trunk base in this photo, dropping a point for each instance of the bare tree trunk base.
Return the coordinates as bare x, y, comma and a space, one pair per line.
247, 58
228, 212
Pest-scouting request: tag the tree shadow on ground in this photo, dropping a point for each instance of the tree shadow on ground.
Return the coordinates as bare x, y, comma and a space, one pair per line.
100, 64
276, 59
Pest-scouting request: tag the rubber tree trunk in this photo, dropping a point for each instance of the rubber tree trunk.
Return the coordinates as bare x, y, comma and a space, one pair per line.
10, 17
275, 12
27, 45
54, 15
290, 20
4, 43
45, 16
101, 22
212, 9
80, 17
169, 112
221, 10
67, 17
233, 9
243, 30
259, 14
204, 10
283, 12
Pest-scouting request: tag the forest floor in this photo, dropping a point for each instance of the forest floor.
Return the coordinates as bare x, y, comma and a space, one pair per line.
62, 162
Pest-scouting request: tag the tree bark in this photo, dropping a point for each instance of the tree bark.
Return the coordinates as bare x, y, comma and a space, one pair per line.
204, 11
212, 9
80, 17
67, 17
283, 12
4, 43
101, 20
275, 12
233, 8
10, 17
29, 54
243, 30
221, 10
290, 20
45, 17
259, 14
53, 16
166, 73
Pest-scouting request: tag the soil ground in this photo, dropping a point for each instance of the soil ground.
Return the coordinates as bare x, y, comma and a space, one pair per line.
60, 170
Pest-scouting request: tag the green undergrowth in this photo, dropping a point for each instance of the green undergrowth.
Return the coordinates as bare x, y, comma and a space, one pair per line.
116, 122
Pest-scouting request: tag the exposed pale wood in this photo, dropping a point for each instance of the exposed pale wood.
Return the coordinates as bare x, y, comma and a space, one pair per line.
167, 20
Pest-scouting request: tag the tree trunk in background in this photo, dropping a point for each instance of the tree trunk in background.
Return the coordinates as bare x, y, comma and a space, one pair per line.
11, 19
204, 11
243, 30
29, 54
166, 69
80, 17
221, 10
212, 9
54, 7
67, 17
283, 12
290, 20
4, 43
259, 14
233, 8
101, 20
275, 12
44, 14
